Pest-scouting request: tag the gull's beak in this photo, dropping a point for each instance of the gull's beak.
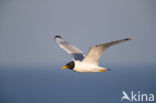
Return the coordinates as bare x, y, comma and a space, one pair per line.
64, 67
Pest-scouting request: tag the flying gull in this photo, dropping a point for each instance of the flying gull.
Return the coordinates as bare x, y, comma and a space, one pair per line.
88, 63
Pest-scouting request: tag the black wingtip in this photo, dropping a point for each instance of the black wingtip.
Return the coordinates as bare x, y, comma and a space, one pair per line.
57, 36
129, 39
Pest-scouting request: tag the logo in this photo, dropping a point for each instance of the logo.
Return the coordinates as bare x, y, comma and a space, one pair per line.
137, 96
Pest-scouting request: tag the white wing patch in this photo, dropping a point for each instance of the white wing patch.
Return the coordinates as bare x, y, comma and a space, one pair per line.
96, 51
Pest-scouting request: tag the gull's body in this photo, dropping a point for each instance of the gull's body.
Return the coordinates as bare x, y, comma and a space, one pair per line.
88, 63
87, 67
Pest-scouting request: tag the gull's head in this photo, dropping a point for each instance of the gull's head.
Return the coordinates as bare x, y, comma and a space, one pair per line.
69, 65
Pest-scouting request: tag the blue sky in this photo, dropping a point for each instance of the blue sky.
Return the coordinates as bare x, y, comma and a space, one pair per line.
25, 28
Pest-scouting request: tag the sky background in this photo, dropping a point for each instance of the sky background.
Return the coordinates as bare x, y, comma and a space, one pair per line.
26, 26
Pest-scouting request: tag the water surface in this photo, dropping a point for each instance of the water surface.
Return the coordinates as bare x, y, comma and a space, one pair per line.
50, 84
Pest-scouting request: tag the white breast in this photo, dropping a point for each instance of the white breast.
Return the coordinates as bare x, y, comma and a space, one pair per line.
85, 67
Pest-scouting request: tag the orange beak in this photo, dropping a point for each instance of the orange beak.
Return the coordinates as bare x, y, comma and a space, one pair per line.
64, 67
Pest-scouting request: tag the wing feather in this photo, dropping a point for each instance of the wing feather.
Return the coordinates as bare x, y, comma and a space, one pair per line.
69, 48
96, 51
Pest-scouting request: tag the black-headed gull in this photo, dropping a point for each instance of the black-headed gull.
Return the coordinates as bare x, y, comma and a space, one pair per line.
88, 63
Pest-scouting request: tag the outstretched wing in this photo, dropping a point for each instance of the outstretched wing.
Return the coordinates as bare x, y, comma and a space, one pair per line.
96, 51
72, 50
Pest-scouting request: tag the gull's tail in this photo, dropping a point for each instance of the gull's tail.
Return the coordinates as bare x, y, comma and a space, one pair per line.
108, 69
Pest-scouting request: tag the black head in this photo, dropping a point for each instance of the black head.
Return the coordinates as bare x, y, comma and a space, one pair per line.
57, 36
69, 65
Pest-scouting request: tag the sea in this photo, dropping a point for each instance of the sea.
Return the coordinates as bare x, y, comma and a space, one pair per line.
50, 84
